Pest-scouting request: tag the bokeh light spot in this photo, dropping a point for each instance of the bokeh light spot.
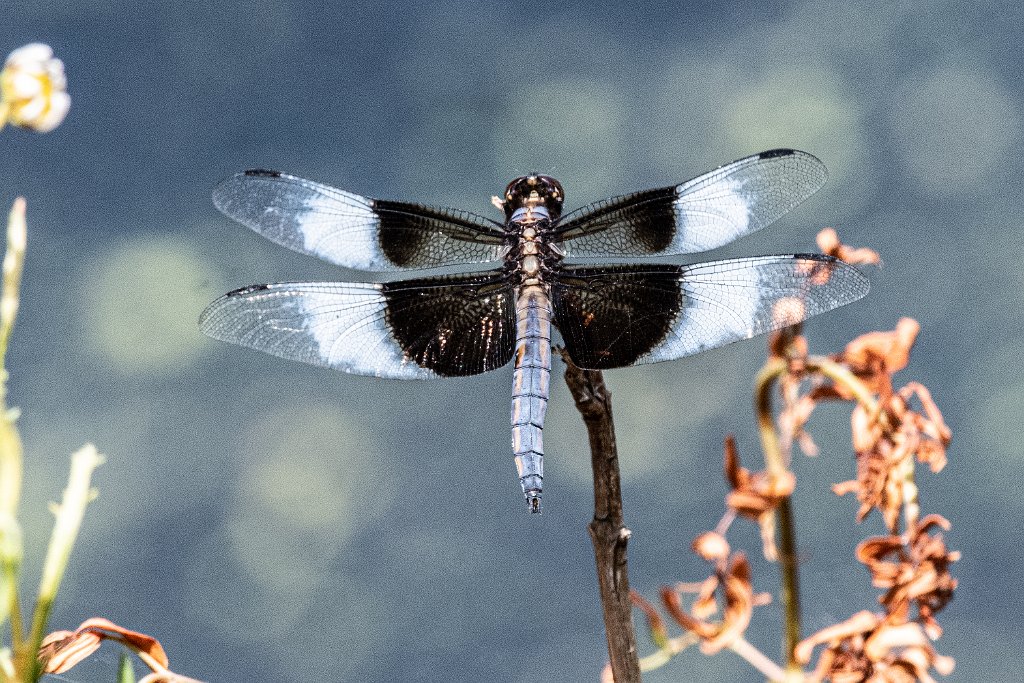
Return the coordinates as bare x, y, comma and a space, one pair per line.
955, 126
312, 478
793, 107
140, 302
805, 109
722, 109
315, 467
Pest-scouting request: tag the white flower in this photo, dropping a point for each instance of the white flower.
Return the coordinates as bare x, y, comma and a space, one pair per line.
32, 89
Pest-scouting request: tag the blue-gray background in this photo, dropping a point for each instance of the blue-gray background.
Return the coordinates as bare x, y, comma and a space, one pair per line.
271, 521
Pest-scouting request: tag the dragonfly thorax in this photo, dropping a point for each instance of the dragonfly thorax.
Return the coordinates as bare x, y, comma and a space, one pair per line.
532, 252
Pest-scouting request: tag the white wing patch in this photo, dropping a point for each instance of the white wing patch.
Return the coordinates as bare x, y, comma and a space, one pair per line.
337, 226
717, 310
340, 227
340, 326
709, 215
739, 198
704, 213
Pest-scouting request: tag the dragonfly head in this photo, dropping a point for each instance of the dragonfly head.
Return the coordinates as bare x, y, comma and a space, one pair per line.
534, 190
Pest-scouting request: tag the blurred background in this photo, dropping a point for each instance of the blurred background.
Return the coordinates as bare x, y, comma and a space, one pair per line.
271, 521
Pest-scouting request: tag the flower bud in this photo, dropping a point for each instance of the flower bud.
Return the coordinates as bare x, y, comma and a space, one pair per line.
32, 89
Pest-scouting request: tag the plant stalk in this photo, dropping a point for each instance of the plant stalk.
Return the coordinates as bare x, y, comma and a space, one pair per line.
607, 530
776, 465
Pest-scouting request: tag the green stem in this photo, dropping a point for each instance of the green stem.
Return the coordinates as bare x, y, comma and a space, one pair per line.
840, 374
790, 581
773, 459
776, 465
17, 628
10, 441
664, 654
69, 515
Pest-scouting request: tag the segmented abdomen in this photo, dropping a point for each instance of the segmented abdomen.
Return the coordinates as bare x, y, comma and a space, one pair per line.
531, 382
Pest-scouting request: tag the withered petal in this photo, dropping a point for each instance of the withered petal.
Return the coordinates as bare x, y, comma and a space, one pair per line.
865, 430
882, 353
733, 471
844, 487
886, 637
55, 637
59, 656
147, 647
933, 520
874, 549
68, 650
739, 568
749, 503
829, 243
674, 607
166, 677
739, 607
859, 623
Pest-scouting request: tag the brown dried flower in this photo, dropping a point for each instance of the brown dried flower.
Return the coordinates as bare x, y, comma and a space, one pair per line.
732, 580
888, 432
62, 650
887, 443
891, 430
876, 356
754, 495
828, 242
914, 568
870, 647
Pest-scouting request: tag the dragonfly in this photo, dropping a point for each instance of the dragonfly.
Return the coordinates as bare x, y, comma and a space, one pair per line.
629, 310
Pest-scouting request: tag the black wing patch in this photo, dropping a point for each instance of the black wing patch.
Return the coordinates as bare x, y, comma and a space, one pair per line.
411, 329
701, 214
611, 316
353, 231
615, 316
454, 325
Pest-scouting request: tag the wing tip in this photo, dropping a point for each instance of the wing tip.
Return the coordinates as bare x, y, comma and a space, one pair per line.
860, 283
248, 289
806, 157
207, 319
260, 173
778, 152
223, 192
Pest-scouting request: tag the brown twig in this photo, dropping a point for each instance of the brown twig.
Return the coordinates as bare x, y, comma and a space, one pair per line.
607, 530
